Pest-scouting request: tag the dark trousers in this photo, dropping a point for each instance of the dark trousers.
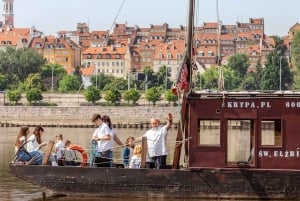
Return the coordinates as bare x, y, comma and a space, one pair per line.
159, 162
104, 159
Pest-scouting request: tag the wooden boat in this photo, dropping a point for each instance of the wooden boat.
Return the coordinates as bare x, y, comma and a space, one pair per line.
237, 145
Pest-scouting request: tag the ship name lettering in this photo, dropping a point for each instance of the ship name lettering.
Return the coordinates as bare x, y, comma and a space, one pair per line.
292, 104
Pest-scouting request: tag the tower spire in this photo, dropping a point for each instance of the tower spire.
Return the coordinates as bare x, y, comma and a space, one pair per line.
8, 14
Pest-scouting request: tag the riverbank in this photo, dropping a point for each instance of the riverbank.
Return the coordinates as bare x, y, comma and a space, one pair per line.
80, 116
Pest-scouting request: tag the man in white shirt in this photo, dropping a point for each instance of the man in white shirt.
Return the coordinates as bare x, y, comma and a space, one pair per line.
157, 142
103, 138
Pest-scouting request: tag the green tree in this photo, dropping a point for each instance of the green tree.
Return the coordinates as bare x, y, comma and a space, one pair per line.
209, 79
170, 97
48, 78
239, 63
14, 96
113, 96
34, 95
34, 80
17, 64
295, 52
92, 94
69, 83
131, 95
3, 82
116, 83
270, 75
101, 80
153, 95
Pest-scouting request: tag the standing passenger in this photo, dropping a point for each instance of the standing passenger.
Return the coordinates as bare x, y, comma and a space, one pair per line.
58, 147
157, 142
102, 136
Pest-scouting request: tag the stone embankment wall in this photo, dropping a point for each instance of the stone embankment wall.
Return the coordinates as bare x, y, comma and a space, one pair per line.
71, 112
81, 115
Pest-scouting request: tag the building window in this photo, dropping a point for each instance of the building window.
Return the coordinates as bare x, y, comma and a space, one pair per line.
209, 133
89, 56
271, 132
99, 56
118, 56
107, 56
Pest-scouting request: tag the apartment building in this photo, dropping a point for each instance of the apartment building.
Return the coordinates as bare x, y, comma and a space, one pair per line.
57, 50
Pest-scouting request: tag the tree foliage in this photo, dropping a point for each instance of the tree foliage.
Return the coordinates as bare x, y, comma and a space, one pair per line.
17, 64
69, 83
153, 95
14, 96
131, 95
58, 73
113, 96
170, 97
92, 94
34, 95
33, 80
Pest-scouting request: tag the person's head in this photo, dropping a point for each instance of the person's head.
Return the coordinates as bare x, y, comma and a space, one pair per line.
96, 119
154, 122
106, 120
59, 137
67, 143
137, 150
24, 131
130, 141
38, 132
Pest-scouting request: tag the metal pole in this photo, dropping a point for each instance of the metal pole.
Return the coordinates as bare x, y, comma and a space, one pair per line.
166, 79
52, 78
128, 80
280, 73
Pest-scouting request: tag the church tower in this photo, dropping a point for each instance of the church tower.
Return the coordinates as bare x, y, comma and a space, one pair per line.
8, 14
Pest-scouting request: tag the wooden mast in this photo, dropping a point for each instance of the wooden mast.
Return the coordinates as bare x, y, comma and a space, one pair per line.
183, 125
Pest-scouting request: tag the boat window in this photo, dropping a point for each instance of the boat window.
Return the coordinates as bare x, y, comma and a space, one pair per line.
209, 133
271, 133
239, 138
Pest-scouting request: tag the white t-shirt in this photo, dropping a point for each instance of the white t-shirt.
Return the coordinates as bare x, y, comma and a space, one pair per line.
135, 162
32, 144
157, 141
59, 146
103, 145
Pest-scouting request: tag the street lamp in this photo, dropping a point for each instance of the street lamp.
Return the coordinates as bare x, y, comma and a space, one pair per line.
280, 72
52, 78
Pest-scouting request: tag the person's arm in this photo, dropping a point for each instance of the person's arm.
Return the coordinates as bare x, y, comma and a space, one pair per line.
169, 121
105, 137
117, 140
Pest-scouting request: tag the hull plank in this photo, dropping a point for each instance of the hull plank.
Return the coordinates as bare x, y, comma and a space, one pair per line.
204, 183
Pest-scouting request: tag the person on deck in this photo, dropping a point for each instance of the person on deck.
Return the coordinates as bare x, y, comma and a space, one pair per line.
35, 140
102, 135
58, 147
33, 157
157, 142
127, 151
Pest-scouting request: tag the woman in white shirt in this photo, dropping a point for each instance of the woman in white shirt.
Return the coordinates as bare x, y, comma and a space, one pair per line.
35, 141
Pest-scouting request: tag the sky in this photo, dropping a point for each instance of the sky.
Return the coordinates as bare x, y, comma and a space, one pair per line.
51, 16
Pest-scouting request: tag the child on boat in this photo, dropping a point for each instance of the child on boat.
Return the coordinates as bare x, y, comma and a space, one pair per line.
135, 161
127, 151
